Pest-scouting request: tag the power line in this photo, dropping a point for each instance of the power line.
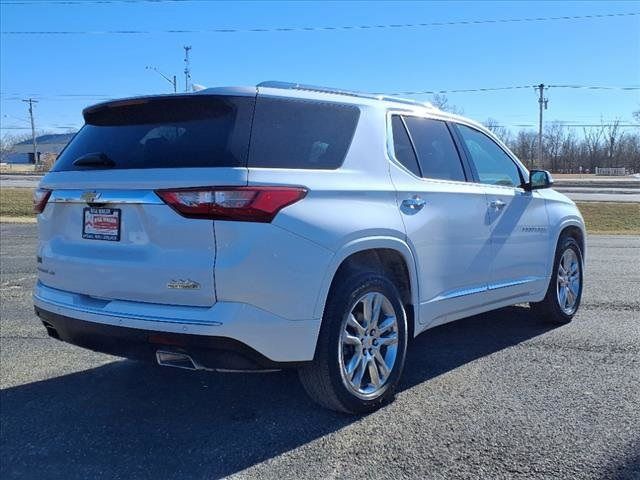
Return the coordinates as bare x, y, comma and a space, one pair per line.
81, 2
105, 96
321, 28
593, 87
572, 125
463, 90
513, 87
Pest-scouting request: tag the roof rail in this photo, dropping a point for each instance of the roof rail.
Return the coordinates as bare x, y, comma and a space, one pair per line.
337, 91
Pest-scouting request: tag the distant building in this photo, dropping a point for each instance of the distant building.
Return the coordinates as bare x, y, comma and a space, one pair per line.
47, 145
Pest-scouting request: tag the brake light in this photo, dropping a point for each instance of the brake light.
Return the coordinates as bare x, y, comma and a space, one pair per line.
40, 199
245, 204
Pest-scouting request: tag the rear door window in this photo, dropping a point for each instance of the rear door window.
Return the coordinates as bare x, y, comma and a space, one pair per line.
402, 148
437, 153
165, 132
292, 133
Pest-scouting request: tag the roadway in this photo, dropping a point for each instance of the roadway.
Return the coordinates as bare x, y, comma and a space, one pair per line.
500, 395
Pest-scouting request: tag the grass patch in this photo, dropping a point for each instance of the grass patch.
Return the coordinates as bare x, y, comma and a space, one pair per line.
17, 168
16, 202
612, 218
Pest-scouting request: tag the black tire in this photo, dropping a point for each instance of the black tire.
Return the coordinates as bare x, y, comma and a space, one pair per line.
323, 378
549, 308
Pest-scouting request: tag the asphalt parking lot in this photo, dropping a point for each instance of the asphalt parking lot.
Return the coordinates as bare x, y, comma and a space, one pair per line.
500, 395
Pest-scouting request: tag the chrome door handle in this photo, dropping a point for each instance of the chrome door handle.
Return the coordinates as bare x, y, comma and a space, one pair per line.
414, 203
497, 204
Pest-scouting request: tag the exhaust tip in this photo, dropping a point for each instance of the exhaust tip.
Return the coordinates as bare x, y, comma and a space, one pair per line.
51, 331
175, 359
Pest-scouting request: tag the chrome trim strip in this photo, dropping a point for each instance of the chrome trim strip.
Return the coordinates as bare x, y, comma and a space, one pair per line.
147, 197
513, 283
126, 316
463, 292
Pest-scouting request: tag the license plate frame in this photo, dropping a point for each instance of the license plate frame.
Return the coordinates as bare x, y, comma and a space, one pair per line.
108, 223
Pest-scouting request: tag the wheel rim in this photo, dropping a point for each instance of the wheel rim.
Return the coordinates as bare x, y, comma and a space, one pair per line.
568, 281
368, 344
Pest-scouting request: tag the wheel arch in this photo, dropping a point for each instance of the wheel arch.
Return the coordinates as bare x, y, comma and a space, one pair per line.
575, 227
389, 254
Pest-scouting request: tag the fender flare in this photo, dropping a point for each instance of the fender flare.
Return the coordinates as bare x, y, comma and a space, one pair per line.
362, 244
570, 221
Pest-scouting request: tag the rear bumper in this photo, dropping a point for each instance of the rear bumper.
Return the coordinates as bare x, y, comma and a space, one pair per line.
214, 353
138, 330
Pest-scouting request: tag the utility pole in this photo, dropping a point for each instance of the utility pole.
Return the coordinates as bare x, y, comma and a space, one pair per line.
187, 68
31, 101
542, 102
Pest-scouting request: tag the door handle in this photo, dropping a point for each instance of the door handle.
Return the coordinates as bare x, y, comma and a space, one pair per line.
497, 204
414, 204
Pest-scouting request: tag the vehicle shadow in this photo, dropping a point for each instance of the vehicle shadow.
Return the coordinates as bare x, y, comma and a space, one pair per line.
132, 420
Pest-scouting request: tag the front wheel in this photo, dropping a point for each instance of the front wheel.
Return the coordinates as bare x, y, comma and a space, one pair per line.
563, 296
361, 347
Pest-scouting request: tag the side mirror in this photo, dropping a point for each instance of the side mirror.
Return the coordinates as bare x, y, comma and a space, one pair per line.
539, 179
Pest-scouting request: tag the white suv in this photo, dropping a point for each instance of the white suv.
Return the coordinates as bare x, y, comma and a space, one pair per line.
283, 225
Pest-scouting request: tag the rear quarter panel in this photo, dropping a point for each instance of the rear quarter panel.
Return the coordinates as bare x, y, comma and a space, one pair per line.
346, 210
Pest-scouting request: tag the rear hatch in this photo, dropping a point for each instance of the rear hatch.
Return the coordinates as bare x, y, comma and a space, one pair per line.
106, 232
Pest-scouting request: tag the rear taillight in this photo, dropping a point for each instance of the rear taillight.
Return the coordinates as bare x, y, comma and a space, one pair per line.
40, 199
247, 204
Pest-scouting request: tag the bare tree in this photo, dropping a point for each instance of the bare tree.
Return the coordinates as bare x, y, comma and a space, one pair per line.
553, 139
613, 136
524, 145
592, 145
498, 130
8, 143
629, 152
570, 156
441, 101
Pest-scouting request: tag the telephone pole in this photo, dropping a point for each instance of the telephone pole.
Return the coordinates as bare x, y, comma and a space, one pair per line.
187, 68
542, 102
31, 101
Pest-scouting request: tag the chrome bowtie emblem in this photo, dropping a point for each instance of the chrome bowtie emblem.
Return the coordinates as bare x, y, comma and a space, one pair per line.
90, 197
183, 284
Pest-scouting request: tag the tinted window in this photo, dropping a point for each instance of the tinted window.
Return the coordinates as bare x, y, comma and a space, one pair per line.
301, 134
165, 132
402, 147
437, 153
493, 165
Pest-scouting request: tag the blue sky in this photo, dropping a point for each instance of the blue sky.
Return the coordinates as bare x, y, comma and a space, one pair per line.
67, 72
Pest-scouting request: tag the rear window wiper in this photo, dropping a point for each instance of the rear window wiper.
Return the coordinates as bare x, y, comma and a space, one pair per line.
94, 160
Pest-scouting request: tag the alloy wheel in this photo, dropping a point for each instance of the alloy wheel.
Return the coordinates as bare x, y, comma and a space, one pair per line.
568, 281
368, 344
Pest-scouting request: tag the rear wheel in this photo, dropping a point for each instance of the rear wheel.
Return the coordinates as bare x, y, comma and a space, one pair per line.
563, 296
361, 347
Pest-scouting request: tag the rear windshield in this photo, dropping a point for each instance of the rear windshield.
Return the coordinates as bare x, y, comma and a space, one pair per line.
165, 132
212, 131
292, 133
